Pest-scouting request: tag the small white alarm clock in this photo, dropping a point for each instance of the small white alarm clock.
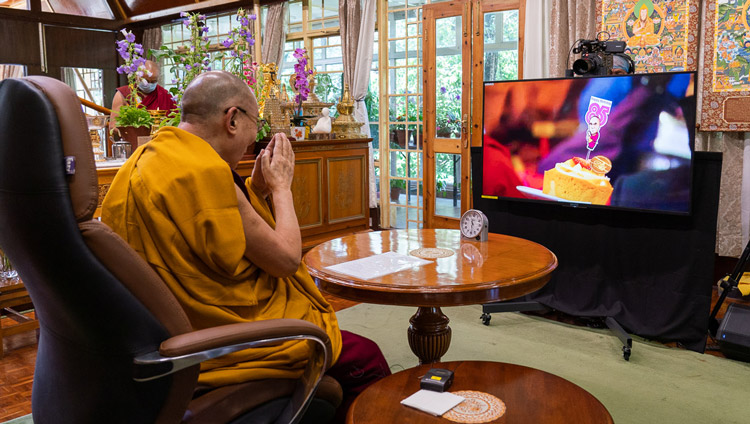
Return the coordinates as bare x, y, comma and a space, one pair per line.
474, 225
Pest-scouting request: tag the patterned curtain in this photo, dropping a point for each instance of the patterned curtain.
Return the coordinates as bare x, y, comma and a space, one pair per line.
274, 37
350, 19
570, 20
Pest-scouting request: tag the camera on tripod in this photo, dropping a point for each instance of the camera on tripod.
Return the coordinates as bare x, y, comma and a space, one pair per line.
596, 56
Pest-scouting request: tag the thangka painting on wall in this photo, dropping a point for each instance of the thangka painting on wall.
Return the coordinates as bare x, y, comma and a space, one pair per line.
661, 35
726, 64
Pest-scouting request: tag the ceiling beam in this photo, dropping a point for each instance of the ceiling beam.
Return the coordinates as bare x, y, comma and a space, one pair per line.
174, 12
60, 19
117, 10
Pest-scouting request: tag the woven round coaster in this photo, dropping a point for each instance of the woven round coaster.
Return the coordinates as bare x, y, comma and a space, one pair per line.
479, 407
431, 253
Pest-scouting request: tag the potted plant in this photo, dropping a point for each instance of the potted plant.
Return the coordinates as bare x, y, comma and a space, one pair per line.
397, 188
133, 120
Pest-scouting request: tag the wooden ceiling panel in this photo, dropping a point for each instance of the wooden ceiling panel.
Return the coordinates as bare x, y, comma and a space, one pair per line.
143, 7
91, 8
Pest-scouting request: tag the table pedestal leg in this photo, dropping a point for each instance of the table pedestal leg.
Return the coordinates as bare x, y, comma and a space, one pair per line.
429, 334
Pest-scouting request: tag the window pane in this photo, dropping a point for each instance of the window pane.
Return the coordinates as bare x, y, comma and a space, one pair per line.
448, 186
501, 45
397, 24
447, 32
448, 96
295, 12
316, 9
510, 25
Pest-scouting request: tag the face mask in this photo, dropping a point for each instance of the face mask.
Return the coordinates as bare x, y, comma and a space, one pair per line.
146, 86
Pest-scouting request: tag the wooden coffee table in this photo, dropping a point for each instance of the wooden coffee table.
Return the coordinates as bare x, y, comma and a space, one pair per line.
529, 395
501, 268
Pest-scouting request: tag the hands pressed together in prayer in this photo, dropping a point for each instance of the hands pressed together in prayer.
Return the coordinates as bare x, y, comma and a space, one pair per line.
277, 249
274, 166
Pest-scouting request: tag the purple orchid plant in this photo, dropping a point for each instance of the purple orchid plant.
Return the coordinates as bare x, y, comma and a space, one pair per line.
301, 82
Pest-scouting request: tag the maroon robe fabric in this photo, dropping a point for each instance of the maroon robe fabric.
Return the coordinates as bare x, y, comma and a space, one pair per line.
157, 99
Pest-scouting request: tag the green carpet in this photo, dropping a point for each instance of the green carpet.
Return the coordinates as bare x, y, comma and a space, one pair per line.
658, 384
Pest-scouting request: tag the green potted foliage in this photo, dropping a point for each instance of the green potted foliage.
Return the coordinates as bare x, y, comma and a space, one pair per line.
397, 188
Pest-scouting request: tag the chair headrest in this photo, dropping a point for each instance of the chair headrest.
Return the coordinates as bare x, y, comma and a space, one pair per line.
76, 143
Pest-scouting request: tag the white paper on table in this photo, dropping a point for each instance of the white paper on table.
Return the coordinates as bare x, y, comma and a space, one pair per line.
435, 403
377, 265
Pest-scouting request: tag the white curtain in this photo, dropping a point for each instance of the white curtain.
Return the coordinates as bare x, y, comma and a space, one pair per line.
536, 39
361, 80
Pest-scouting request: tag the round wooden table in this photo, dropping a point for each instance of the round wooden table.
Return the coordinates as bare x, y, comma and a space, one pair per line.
501, 268
529, 395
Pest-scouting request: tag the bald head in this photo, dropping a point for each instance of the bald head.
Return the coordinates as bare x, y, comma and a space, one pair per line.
152, 67
211, 93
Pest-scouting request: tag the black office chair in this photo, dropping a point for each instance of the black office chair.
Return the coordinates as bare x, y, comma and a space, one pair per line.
115, 345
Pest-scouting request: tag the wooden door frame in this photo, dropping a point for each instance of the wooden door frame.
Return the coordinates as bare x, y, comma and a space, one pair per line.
472, 12
430, 13
479, 9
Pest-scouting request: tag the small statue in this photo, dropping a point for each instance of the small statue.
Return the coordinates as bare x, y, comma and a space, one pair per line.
324, 123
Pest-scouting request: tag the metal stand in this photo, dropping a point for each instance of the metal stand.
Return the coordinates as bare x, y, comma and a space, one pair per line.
627, 341
489, 308
729, 284
529, 306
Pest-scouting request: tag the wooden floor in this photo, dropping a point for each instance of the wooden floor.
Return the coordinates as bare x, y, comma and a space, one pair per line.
17, 366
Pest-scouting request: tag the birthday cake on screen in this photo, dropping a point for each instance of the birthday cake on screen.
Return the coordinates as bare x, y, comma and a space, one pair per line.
580, 180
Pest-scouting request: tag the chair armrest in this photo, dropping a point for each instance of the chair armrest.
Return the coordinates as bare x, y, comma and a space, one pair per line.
189, 349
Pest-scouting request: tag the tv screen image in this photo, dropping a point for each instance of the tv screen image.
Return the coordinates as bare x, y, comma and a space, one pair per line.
623, 141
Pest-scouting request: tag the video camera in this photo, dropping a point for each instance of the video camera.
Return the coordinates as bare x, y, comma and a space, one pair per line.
596, 56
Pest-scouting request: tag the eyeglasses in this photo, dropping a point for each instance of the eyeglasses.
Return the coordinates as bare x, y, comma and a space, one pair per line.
243, 111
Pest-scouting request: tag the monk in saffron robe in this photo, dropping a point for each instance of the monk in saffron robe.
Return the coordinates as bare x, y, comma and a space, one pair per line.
152, 95
228, 253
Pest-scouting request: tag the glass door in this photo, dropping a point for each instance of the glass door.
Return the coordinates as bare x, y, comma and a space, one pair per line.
447, 102
466, 42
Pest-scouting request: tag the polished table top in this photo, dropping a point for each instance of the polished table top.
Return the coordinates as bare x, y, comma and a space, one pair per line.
503, 267
530, 396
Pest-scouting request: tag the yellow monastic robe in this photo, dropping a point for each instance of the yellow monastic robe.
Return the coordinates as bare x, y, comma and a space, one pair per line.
174, 202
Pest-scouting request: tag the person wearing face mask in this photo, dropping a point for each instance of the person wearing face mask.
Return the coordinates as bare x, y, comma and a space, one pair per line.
153, 96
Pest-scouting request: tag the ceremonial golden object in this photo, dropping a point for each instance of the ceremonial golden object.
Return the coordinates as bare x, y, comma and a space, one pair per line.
345, 126
157, 115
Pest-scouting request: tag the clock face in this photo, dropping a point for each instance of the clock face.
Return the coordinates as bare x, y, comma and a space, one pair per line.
472, 223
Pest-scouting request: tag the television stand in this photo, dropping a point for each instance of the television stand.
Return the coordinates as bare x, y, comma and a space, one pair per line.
625, 339
532, 306
527, 306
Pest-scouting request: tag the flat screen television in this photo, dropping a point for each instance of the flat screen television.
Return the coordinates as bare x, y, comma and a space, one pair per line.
620, 141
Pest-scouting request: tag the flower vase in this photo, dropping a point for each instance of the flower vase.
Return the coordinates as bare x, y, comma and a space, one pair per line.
298, 128
7, 273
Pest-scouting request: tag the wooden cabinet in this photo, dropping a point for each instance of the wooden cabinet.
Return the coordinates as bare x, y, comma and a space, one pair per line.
330, 187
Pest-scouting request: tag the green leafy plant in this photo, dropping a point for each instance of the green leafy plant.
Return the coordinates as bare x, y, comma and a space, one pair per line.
133, 116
